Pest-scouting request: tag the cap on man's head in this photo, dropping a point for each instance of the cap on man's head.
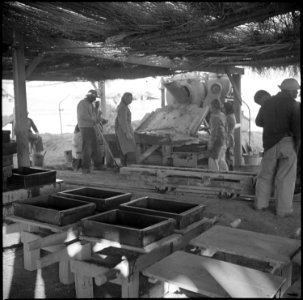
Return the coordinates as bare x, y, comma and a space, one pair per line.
289, 84
91, 93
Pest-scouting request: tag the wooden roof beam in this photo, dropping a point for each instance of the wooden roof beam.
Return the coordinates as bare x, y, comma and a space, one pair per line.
96, 50
33, 64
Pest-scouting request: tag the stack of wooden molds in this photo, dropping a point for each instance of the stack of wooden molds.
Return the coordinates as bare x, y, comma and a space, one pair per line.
8, 149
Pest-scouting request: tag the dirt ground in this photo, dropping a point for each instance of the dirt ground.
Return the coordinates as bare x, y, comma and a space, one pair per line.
19, 283
227, 210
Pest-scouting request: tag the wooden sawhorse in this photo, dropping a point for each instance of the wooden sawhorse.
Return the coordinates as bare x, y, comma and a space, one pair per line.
37, 235
122, 264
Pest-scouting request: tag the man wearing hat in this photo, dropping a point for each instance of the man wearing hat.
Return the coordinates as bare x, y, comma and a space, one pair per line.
280, 118
87, 119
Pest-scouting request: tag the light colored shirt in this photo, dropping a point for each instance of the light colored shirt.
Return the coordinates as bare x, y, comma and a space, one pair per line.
86, 116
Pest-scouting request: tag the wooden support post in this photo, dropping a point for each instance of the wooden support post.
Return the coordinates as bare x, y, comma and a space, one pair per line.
130, 286
84, 286
21, 128
166, 154
237, 134
30, 257
284, 272
101, 88
162, 88
235, 80
101, 93
33, 64
66, 276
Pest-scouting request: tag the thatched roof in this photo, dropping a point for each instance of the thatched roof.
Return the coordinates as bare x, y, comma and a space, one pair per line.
109, 40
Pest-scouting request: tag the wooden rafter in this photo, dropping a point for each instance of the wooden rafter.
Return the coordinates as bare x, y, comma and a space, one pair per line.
95, 50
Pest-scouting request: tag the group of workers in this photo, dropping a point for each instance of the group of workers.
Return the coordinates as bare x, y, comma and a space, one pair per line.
88, 140
279, 116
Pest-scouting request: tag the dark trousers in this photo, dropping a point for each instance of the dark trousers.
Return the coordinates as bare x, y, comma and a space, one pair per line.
76, 164
128, 158
90, 149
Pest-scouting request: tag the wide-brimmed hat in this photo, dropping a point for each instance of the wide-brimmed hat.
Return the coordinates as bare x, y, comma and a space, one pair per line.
289, 84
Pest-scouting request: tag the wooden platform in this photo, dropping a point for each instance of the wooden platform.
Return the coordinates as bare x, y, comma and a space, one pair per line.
214, 278
195, 179
249, 244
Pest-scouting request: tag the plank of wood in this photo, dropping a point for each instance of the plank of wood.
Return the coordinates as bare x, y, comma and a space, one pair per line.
213, 278
84, 286
11, 228
294, 291
54, 239
52, 227
153, 167
148, 248
148, 152
86, 268
77, 250
297, 258
65, 274
260, 246
194, 225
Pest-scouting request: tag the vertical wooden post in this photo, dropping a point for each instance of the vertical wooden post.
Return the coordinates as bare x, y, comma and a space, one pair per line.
162, 93
101, 88
235, 80
237, 108
21, 128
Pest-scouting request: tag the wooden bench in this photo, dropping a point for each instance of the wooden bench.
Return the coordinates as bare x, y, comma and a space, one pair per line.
269, 249
213, 278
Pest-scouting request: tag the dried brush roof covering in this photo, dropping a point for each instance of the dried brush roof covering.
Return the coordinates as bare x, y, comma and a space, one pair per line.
108, 40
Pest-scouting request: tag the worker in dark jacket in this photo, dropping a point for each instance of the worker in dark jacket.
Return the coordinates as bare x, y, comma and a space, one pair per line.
87, 119
280, 118
261, 96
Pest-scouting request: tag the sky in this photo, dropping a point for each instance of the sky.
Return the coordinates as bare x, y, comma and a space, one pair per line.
45, 98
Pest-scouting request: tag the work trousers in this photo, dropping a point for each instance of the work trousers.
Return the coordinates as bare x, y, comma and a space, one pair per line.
36, 142
278, 168
90, 149
218, 164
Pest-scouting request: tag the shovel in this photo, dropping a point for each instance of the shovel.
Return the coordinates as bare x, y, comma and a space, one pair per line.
99, 130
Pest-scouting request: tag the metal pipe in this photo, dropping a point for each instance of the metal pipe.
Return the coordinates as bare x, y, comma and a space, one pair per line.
249, 120
60, 113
